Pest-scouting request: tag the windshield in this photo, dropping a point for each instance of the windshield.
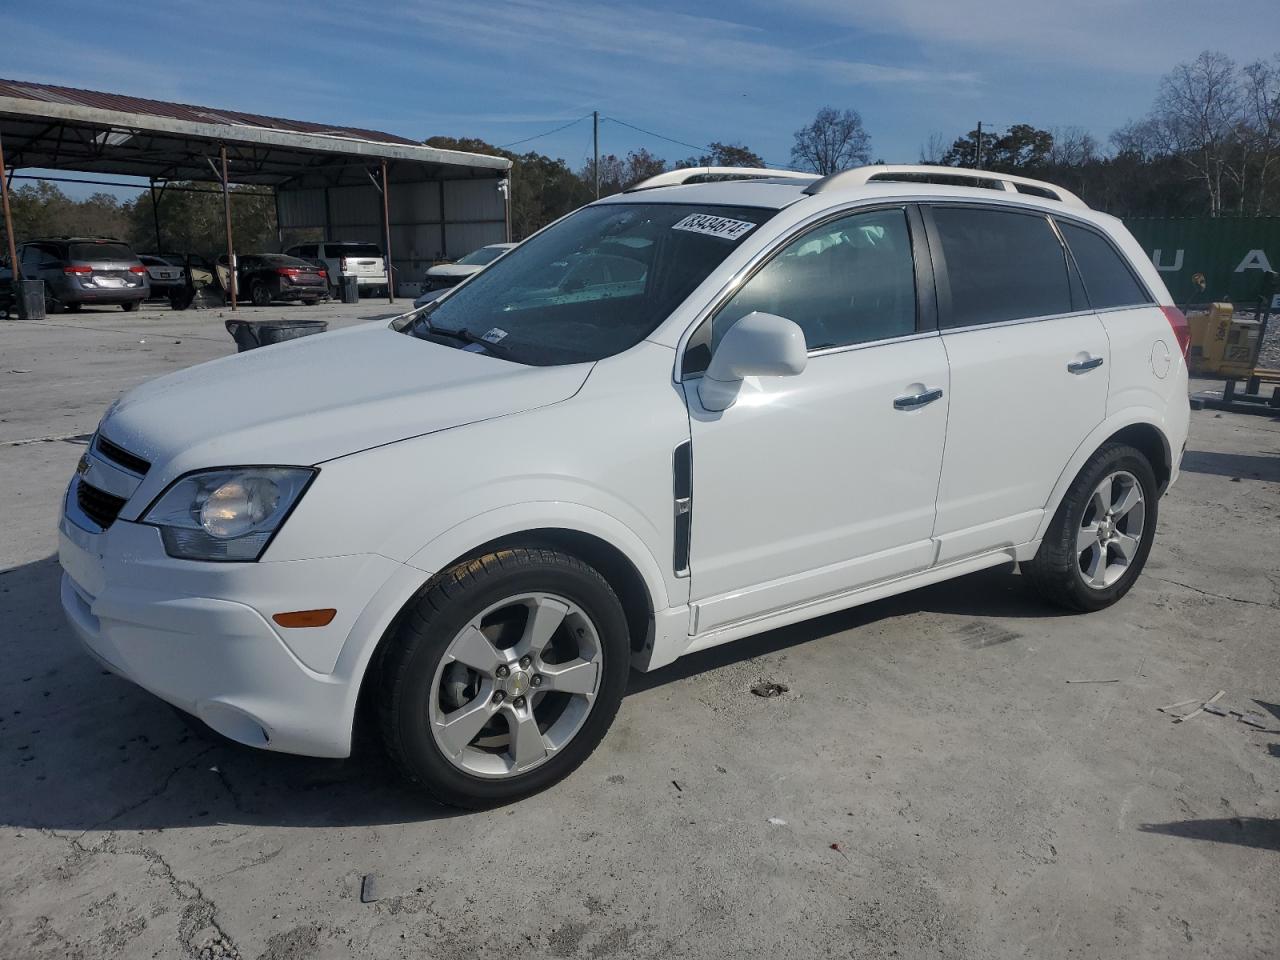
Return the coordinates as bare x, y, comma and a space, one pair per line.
596, 283
478, 258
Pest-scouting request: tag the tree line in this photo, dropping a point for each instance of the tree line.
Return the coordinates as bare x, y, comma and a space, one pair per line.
1209, 146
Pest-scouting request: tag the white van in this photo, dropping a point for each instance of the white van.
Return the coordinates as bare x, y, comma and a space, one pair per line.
342, 258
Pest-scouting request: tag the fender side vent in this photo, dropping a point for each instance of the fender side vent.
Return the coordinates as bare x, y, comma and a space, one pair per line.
682, 491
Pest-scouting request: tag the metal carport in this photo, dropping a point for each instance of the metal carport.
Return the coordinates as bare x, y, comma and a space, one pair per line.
421, 203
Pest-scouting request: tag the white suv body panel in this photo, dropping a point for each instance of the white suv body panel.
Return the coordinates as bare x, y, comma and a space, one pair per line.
423, 460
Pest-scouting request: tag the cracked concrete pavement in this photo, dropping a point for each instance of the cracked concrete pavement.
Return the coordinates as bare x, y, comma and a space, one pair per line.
983, 806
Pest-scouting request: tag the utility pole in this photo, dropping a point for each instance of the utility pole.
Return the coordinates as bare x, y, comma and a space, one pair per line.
979, 163
595, 148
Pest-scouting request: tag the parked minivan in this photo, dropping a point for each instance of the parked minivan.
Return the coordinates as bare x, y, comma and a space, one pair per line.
80, 270
758, 401
341, 258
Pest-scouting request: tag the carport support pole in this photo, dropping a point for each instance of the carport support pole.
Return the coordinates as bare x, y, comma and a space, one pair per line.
8, 219
226, 215
386, 236
155, 217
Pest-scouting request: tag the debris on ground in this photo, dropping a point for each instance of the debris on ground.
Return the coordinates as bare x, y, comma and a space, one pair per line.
838, 847
777, 821
369, 888
1094, 681
770, 689
1253, 718
679, 789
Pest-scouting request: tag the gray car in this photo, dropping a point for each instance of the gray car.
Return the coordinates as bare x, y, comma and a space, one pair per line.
80, 270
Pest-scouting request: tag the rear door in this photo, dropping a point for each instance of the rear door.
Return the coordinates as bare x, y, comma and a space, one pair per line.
1029, 369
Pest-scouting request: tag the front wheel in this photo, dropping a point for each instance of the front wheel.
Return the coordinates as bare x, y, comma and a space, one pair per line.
503, 676
1101, 535
129, 306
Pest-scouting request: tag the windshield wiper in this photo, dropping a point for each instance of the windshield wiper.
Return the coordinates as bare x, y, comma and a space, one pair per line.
466, 336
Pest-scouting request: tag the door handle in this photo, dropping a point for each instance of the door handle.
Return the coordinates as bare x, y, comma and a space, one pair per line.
1083, 366
917, 400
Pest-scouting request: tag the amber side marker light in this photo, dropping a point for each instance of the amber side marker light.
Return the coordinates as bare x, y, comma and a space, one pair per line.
306, 618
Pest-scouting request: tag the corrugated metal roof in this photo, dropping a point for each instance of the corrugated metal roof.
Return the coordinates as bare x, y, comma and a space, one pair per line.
49, 93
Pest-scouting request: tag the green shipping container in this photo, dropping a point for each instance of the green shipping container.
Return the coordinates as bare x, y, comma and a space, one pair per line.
1203, 260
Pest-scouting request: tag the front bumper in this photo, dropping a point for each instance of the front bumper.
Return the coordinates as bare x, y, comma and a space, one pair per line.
199, 635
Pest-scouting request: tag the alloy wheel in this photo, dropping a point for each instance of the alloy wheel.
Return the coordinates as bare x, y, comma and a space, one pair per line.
1111, 529
515, 685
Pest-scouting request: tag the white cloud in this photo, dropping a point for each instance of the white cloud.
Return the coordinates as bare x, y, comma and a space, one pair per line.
1122, 36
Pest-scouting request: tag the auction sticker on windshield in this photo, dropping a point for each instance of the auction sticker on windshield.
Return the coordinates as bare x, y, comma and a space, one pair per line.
721, 227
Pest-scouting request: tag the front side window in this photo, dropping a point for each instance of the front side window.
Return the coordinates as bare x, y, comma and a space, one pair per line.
848, 281
592, 285
1001, 265
1107, 278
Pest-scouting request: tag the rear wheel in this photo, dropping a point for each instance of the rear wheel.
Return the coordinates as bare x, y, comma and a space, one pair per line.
503, 676
73, 307
1101, 535
260, 295
128, 307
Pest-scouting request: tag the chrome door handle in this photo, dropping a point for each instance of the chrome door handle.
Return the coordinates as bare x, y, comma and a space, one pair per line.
1082, 366
917, 400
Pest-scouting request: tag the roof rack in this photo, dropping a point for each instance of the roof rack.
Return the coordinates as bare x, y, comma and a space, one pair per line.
676, 177
916, 173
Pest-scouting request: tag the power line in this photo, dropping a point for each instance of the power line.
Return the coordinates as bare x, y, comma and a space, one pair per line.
537, 136
692, 146
650, 133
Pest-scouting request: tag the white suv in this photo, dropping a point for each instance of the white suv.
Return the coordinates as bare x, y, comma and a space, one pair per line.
676, 417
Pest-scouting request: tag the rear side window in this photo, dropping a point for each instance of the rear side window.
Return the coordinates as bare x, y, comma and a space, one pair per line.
1107, 277
1001, 265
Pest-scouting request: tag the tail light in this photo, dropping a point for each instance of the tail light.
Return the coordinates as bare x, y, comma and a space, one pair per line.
137, 269
1181, 330
77, 268
323, 275
289, 271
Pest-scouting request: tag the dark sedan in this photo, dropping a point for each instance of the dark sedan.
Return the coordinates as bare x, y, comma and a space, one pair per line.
266, 277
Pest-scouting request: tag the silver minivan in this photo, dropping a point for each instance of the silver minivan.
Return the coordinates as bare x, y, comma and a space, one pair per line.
80, 270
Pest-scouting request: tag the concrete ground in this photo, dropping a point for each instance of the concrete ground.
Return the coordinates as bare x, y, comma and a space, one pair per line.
958, 772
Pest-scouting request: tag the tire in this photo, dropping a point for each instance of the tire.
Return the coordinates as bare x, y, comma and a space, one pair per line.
72, 307
259, 294
413, 676
1063, 570
129, 307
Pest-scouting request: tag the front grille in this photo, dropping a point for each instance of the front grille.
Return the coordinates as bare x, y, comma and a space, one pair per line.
98, 505
122, 457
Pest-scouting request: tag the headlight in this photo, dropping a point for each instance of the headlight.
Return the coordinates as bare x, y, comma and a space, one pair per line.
228, 514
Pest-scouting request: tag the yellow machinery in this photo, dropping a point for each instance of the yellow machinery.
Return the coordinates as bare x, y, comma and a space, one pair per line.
1222, 344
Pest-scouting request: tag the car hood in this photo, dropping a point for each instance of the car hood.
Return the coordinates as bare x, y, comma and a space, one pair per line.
324, 396
453, 270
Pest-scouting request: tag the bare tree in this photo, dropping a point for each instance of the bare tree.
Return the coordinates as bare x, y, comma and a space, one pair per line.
934, 149
1197, 113
834, 141
1071, 147
1261, 107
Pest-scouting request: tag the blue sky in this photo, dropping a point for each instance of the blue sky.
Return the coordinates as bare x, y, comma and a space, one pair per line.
748, 71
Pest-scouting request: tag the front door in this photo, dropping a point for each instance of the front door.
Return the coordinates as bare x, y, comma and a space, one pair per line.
813, 485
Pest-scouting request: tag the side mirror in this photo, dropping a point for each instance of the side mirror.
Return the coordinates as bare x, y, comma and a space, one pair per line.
758, 345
